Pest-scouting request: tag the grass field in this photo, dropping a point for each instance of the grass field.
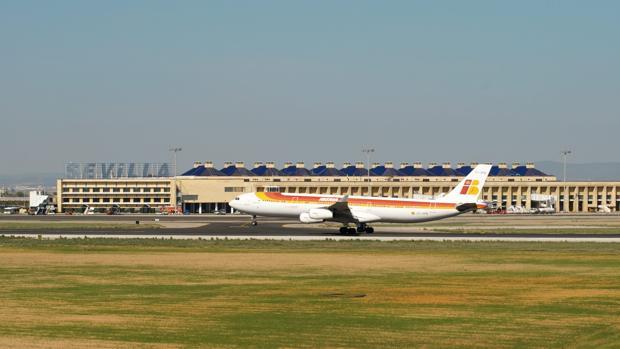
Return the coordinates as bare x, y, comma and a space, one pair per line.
39, 226
175, 293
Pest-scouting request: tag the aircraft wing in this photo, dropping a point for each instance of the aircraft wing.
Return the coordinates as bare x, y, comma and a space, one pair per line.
341, 210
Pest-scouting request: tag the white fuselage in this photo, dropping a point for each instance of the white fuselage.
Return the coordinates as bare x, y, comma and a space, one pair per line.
363, 209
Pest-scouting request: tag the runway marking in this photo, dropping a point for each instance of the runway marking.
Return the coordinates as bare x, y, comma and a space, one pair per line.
324, 238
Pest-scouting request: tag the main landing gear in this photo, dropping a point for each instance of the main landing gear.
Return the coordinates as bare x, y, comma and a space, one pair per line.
361, 228
254, 221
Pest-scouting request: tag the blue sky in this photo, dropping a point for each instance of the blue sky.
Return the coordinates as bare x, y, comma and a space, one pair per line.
307, 80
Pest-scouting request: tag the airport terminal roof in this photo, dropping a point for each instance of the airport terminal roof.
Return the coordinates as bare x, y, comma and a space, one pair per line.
358, 169
327, 171
296, 170
264, 170
203, 170
528, 170
237, 169
442, 170
384, 170
354, 170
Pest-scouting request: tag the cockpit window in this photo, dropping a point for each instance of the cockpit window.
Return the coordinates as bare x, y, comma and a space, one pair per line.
237, 198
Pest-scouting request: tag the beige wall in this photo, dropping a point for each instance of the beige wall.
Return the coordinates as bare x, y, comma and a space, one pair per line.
516, 190
127, 192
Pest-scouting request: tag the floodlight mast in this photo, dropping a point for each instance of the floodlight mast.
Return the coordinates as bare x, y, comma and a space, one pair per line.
565, 154
174, 151
368, 151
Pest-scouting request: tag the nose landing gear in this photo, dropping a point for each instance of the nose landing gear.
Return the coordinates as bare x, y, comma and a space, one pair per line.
254, 222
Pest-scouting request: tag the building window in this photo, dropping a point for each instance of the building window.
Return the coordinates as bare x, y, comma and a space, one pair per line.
147, 200
96, 190
234, 189
126, 200
125, 190
166, 199
65, 199
85, 199
75, 190
106, 190
116, 190
146, 190
156, 190
76, 200
95, 199
166, 190
106, 199
136, 200
157, 200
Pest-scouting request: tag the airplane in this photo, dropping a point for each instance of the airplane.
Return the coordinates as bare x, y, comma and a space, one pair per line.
362, 210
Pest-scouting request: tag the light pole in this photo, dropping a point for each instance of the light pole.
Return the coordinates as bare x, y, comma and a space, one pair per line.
174, 151
565, 154
368, 151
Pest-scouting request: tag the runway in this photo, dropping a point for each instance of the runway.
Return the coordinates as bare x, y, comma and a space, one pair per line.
238, 227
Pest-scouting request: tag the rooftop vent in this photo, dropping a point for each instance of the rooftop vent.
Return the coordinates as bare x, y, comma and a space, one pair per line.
346, 164
359, 164
288, 164
529, 165
389, 164
330, 165
417, 164
317, 165
502, 165
240, 164
258, 164
515, 164
432, 164
375, 164
460, 164
208, 164
474, 164
404, 164
197, 164
446, 165
300, 164
228, 163
271, 164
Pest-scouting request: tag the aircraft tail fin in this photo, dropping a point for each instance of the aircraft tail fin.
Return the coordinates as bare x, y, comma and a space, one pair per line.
468, 190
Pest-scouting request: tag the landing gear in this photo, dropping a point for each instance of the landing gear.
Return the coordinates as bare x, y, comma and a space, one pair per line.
361, 228
254, 221
348, 231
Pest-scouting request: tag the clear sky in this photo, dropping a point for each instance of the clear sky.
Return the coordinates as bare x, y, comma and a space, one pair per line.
307, 80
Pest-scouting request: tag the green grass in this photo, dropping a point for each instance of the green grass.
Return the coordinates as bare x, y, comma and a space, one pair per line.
38, 226
415, 294
550, 230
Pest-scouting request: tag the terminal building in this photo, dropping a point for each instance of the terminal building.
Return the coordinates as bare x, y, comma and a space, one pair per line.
206, 189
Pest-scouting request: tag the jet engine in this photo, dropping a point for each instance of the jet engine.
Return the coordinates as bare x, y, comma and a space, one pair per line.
304, 217
320, 213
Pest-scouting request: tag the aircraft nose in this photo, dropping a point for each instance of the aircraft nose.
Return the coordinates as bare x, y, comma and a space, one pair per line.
234, 203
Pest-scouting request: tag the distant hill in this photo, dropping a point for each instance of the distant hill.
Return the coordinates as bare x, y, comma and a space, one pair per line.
30, 179
597, 171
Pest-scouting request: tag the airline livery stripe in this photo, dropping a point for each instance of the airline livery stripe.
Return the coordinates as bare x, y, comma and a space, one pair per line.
295, 199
